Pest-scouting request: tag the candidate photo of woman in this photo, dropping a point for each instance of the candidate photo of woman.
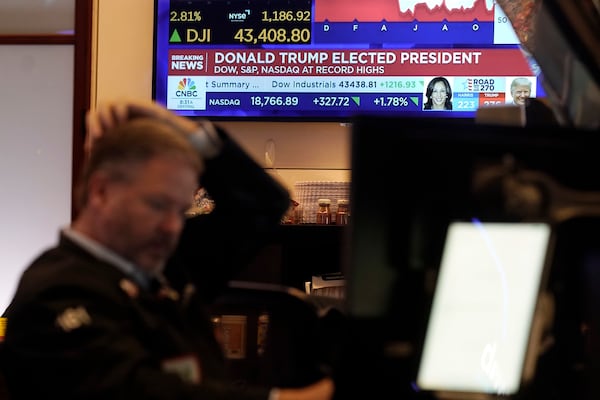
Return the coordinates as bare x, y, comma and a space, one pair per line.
438, 95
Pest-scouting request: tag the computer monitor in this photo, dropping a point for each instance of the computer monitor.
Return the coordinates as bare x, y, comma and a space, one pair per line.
411, 179
483, 316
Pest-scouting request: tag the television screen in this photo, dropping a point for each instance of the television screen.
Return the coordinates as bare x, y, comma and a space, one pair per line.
332, 59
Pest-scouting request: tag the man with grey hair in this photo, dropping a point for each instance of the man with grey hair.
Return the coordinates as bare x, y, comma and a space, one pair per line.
116, 309
520, 91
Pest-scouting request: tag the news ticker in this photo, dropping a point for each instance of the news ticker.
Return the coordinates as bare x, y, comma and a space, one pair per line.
315, 93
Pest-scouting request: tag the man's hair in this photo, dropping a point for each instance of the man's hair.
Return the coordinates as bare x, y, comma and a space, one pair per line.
520, 82
134, 141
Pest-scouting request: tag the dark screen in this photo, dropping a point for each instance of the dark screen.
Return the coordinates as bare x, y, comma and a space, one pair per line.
412, 176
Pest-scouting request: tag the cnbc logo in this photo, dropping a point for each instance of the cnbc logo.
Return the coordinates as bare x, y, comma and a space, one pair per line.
186, 88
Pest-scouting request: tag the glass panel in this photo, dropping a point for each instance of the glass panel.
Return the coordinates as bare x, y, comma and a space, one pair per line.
36, 120
38, 17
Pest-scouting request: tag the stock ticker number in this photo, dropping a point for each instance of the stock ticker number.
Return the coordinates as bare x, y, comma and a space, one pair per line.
286, 16
274, 101
273, 35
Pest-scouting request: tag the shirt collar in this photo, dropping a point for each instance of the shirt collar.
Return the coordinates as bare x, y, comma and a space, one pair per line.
105, 254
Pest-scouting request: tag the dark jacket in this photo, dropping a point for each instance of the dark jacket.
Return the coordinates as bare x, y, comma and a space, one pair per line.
79, 328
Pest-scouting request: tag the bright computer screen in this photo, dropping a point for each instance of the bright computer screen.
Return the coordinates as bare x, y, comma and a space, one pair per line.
332, 59
483, 312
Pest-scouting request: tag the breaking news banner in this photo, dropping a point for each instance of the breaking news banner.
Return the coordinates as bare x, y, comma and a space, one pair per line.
317, 79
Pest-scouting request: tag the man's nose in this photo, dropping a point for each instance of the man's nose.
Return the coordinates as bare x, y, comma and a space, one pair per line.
172, 222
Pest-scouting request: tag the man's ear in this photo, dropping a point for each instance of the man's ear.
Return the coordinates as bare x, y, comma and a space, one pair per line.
97, 187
